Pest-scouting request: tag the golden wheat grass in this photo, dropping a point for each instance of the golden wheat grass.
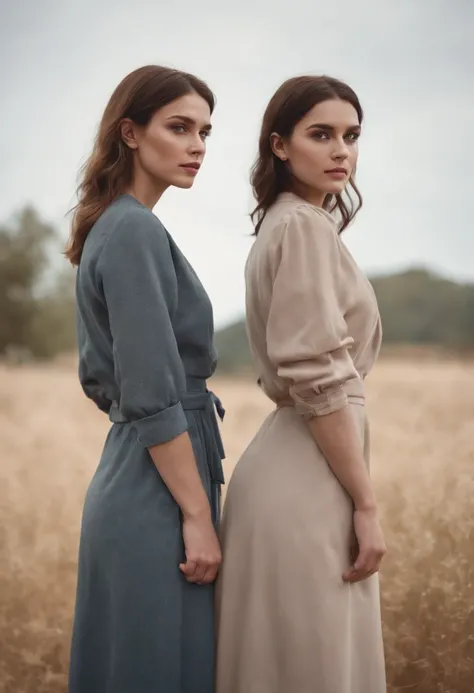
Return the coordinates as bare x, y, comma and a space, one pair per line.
422, 423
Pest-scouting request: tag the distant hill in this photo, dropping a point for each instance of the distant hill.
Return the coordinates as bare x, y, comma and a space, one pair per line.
418, 307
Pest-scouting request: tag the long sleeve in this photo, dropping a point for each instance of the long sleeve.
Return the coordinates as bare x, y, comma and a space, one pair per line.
307, 339
140, 289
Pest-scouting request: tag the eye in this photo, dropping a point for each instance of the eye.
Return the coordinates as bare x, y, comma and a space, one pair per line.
205, 134
179, 129
352, 136
319, 136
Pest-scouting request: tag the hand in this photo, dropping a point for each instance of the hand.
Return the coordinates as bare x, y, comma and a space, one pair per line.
370, 544
203, 553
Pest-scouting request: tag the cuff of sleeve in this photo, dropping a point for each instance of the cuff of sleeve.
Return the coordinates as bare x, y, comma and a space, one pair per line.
162, 427
311, 404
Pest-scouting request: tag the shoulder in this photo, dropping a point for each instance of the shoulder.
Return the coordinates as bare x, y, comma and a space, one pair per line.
308, 220
292, 213
304, 229
127, 221
129, 229
129, 238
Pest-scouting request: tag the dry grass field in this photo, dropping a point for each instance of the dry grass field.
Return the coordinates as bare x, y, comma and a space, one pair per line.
422, 419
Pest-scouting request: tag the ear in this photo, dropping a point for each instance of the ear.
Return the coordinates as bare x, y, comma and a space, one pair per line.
128, 131
278, 146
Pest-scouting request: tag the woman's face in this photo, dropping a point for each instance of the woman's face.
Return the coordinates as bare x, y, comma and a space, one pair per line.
322, 151
171, 148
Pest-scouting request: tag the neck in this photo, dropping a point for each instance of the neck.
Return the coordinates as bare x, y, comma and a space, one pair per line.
146, 190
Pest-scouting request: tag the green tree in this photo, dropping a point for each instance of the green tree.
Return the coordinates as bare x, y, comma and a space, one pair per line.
36, 303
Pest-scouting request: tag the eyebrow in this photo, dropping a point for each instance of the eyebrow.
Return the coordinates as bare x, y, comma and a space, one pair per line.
330, 128
190, 121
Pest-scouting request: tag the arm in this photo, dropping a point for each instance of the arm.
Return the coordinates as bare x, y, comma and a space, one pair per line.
140, 289
308, 343
336, 436
177, 466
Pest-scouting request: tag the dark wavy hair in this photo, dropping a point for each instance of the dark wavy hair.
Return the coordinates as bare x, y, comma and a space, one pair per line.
290, 103
109, 168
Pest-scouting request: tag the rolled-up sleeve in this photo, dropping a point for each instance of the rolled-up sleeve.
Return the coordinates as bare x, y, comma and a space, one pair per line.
307, 338
140, 289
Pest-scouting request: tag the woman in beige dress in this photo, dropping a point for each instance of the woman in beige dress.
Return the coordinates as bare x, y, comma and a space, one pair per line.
298, 607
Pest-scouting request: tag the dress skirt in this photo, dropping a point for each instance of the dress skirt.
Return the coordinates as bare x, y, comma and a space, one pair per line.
139, 626
286, 621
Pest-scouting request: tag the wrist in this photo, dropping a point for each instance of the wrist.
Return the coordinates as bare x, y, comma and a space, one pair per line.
365, 503
366, 507
199, 511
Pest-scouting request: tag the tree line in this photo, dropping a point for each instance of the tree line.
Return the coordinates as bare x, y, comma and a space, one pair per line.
37, 304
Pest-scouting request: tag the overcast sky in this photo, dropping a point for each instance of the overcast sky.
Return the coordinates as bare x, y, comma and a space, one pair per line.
410, 61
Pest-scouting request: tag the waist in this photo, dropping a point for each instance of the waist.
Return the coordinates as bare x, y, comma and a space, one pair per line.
195, 397
194, 384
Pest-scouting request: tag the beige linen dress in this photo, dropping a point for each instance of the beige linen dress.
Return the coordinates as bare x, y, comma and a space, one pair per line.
286, 621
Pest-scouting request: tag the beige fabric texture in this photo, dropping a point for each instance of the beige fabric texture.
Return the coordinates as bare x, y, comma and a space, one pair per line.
286, 621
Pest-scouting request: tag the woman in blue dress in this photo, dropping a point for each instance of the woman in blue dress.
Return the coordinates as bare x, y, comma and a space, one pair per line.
149, 552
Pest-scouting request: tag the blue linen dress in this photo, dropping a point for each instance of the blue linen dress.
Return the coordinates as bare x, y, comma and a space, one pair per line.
145, 337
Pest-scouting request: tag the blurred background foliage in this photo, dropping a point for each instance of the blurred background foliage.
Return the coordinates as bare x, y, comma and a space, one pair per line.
37, 318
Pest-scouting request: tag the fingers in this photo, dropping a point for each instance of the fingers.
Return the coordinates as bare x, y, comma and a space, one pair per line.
366, 564
188, 569
193, 570
210, 575
201, 572
353, 575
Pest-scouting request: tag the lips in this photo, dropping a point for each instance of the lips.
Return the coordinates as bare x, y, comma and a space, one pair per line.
192, 164
337, 170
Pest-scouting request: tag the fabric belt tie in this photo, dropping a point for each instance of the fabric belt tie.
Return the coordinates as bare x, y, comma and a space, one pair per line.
207, 402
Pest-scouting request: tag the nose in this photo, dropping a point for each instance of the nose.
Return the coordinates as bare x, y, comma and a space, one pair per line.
198, 146
341, 151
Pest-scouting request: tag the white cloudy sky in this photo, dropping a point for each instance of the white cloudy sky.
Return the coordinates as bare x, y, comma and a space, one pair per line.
411, 62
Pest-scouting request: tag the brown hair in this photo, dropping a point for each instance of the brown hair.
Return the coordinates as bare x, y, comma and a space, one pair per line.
109, 168
290, 103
